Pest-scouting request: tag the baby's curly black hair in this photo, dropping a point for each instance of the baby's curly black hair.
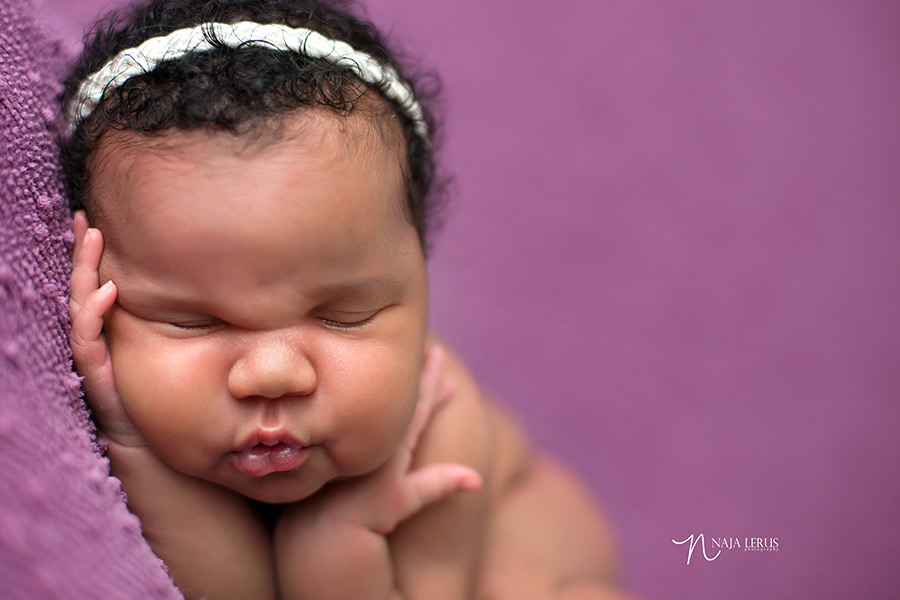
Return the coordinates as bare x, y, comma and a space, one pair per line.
235, 89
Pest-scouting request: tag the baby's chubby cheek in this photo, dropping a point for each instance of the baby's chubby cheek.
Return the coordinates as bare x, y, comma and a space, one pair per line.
171, 391
372, 414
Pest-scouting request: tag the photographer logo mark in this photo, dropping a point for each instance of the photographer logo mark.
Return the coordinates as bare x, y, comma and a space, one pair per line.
749, 544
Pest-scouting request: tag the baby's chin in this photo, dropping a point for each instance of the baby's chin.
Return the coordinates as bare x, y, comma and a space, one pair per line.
281, 488
276, 489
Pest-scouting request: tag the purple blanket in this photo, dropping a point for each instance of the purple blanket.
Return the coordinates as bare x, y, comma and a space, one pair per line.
64, 529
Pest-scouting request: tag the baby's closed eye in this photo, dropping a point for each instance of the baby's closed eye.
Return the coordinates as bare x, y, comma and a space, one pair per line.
204, 324
347, 319
170, 318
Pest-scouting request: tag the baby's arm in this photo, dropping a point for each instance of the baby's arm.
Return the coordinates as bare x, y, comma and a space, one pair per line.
438, 553
337, 545
211, 540
213, 543
540, 536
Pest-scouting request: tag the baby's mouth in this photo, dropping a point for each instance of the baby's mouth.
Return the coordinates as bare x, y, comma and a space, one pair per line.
259, 458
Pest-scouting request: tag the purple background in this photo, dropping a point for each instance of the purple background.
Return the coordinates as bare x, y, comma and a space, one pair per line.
673, 249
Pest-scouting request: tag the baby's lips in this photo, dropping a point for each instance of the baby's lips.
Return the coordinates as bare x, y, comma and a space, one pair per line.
263, 459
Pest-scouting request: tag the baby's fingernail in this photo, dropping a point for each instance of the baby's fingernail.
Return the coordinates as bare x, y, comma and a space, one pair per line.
108, 285
435, 354
448, 386
470, 483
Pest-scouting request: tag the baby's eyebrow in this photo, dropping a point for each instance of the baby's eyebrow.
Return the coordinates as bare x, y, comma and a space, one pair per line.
377, 283
376, 286
152, 298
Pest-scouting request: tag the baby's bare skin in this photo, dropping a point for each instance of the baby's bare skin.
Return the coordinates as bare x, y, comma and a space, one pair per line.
543, 538
412, 524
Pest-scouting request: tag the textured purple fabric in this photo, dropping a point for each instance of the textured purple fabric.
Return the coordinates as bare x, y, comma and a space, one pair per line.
673, 250
64, 529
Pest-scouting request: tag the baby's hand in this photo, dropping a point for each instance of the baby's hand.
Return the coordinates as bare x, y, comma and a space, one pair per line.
394, 493
335, 543
88, 302
381, 500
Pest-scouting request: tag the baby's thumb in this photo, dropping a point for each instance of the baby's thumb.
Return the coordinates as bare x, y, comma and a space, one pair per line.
435, 482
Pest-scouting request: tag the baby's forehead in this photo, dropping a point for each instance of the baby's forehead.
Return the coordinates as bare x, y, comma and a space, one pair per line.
369, 132
129, 168
369, 129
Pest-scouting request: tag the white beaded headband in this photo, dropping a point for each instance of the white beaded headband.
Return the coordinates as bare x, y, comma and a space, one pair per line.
146, 56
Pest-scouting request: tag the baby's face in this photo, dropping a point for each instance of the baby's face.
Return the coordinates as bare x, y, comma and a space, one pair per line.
272, 301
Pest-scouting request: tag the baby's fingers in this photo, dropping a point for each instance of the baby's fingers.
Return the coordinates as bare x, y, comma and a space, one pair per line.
87, 305
79, 228
423, 487
85, 276
435, 387
87, 317
89, 350
94, 363
429, 484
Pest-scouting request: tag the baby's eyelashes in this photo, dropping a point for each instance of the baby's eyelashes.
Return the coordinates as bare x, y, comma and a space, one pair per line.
330, 319
162, 314
182, 321
195, 326
347, 320
207, 325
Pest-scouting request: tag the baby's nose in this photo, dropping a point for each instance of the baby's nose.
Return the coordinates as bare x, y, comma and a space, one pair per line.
274, 365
